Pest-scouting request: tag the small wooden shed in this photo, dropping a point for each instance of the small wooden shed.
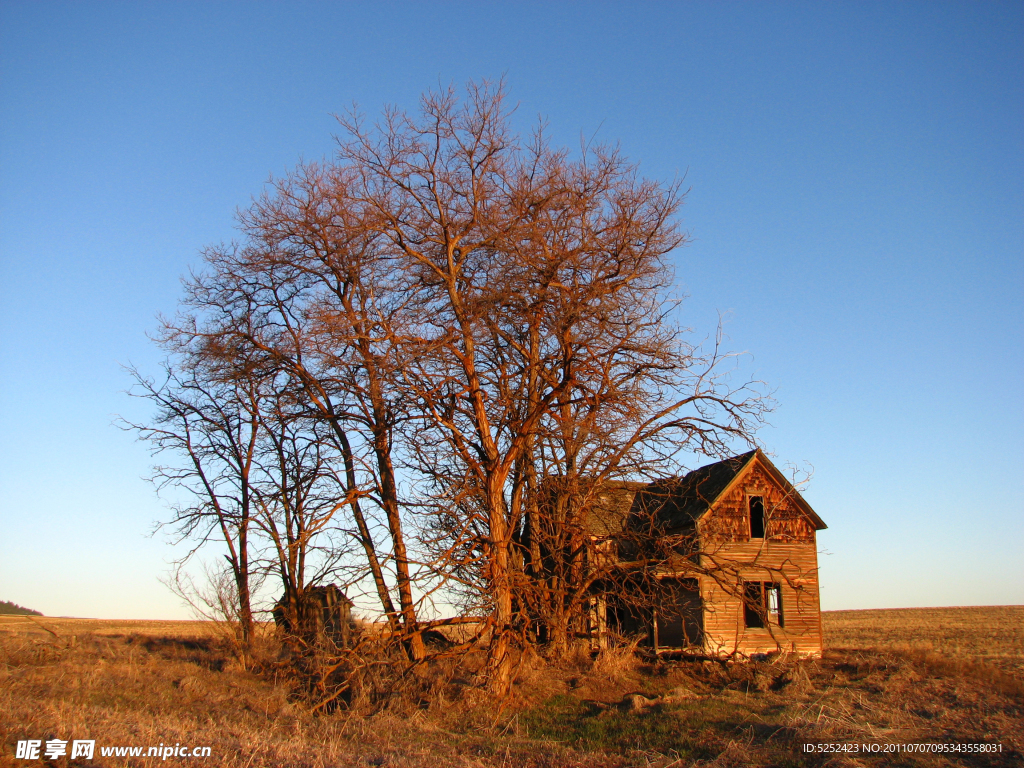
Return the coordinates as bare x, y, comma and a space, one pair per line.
320, 611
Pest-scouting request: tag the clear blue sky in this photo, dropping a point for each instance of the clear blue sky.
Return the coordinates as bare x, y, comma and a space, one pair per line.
857, 209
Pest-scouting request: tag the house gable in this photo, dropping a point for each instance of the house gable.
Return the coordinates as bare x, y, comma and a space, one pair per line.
787, 516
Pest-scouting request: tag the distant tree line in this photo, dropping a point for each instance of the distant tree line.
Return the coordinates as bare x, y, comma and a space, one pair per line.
11, 609
420, 364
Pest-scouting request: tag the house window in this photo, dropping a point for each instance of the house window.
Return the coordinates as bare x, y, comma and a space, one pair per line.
753, 604
762, 603
756, 517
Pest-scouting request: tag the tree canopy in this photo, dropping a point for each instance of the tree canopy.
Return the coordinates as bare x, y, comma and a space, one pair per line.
423, 359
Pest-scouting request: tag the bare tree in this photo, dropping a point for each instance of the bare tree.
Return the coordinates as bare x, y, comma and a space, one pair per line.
214, 427
311, 275
262, 473
538, 343
490, 317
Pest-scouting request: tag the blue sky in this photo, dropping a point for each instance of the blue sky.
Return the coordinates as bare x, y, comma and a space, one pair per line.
856, 208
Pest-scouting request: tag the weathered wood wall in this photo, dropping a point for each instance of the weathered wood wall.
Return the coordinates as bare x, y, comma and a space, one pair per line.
787, 555
729, 520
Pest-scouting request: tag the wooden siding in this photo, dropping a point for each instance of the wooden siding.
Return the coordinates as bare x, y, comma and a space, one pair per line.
729, 557
787, 556
795, 570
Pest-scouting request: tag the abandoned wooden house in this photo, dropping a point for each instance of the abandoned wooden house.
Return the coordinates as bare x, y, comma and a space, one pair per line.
731, 562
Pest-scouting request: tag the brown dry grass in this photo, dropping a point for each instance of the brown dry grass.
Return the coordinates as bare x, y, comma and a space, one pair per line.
895, 677
178, 683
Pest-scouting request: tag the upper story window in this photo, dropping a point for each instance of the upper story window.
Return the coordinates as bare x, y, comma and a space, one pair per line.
756, 504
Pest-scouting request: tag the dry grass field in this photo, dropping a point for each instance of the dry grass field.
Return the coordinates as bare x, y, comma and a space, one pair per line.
992, 635
39, 627
936, 676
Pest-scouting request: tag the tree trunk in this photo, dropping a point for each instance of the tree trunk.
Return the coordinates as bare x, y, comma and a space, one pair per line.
389, 500
499, 662
364, 531
242, 585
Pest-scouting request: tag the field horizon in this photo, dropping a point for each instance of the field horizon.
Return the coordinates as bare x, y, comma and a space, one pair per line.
836, 610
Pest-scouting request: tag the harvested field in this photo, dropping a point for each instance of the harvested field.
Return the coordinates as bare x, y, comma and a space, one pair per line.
150, 683
991, 635
38, 626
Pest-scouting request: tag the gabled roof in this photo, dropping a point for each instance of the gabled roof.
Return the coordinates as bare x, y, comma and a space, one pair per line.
680, 502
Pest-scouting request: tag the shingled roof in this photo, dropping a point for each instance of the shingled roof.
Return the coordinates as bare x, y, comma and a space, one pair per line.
611, 507
679, 502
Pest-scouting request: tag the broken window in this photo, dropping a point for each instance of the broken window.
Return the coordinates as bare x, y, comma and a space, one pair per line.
753, 604
762, 602
774, 595
756, 517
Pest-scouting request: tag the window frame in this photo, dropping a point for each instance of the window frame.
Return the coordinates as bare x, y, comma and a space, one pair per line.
763, 605
754, 616
773, 589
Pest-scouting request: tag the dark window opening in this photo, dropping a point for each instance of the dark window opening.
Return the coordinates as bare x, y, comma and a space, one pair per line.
753, 604
756, 517
762, 602
622, 619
